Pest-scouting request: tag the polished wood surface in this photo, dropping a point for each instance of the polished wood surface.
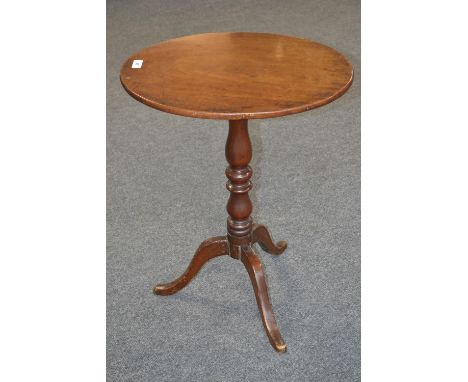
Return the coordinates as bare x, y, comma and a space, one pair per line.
237, 75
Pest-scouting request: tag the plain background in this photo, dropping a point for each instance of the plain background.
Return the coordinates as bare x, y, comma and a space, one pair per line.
413, 186
166, 194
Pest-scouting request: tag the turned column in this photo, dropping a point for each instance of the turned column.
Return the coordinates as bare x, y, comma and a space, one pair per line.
239, 206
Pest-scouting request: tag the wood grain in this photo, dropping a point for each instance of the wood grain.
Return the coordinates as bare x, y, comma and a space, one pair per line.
237, 75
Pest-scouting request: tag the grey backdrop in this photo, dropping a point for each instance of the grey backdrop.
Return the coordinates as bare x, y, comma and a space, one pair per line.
165, 194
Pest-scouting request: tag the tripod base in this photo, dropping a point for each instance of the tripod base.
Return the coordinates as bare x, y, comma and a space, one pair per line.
219, 246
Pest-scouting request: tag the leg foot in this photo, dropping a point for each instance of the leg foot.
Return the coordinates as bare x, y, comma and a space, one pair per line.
254, 268
262, 236
216, 246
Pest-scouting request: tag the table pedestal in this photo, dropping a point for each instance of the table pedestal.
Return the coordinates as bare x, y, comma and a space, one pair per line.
241, 232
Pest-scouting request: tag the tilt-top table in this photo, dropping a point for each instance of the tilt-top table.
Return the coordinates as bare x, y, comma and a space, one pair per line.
237, 77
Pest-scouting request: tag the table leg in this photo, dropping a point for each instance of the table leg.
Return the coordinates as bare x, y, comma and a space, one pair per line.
254, 268
216, 246
262, 235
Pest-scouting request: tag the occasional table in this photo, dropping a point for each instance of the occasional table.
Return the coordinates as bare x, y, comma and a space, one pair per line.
237, 77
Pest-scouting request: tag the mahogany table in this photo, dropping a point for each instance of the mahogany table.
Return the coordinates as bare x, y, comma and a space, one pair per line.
237, 77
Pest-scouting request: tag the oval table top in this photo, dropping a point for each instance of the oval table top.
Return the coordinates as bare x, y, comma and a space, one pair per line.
236, 75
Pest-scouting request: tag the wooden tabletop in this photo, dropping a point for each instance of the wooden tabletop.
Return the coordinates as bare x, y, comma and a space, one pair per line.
236, 75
